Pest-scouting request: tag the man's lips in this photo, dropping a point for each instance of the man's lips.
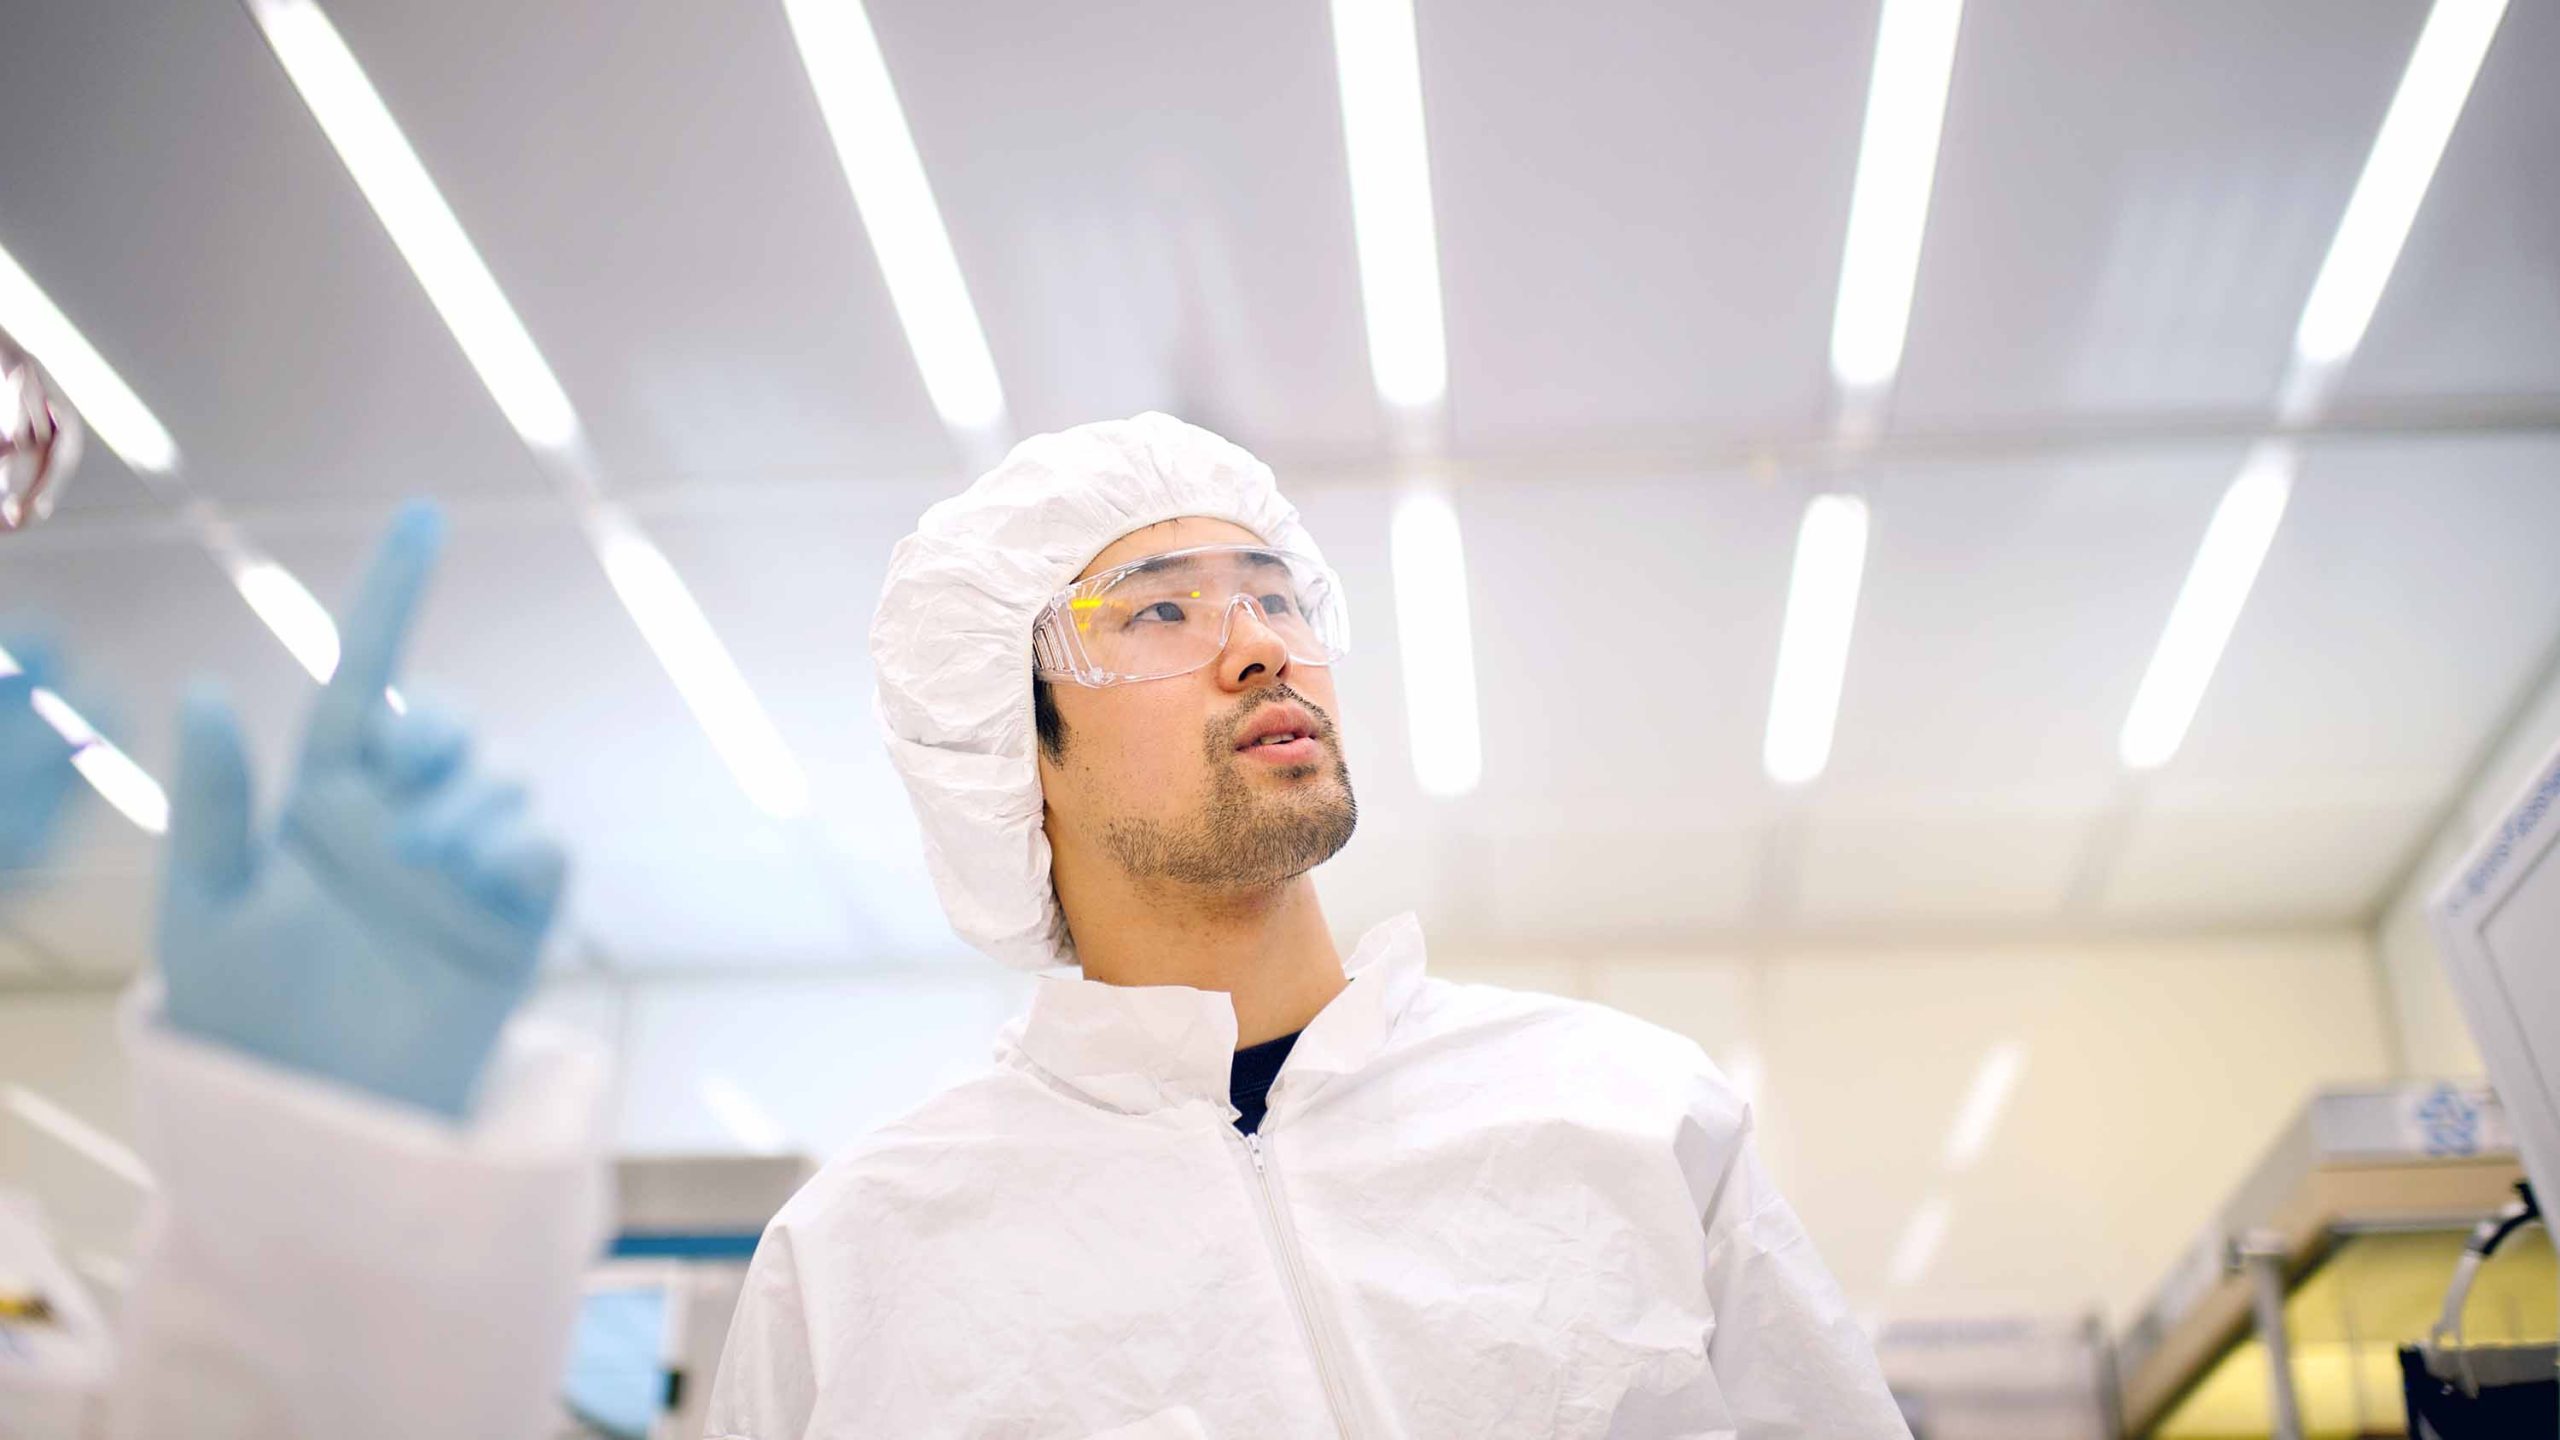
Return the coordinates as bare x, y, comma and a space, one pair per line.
1282, 719
1281, 734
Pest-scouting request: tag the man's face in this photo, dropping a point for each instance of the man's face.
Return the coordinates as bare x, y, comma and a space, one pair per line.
1160, 775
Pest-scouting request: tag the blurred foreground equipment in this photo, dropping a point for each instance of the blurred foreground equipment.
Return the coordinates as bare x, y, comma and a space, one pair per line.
39, 439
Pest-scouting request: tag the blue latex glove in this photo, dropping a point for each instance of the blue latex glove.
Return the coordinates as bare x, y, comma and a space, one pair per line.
35, 762
382, 936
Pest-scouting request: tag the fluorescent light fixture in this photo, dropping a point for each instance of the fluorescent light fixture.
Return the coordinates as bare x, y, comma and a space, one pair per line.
115, 414
1921, 1238
1437, 638
860, 106
1813, 650
108, 770
1993, 1083
1380, 69
2432, 92
393, 180
747, 1122
90, 1142
297, 618
2226, 565
721, 701
1889, 200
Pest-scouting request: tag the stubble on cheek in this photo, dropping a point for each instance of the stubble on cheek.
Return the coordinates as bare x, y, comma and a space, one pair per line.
1237, 837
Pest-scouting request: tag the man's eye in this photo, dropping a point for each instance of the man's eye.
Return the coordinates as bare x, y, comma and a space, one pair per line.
1279, 605
1163, 612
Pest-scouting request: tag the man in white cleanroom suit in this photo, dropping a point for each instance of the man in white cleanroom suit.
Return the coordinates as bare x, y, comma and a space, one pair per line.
1229, 1183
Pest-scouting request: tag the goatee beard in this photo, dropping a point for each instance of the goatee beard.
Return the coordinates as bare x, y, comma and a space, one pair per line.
1240, 838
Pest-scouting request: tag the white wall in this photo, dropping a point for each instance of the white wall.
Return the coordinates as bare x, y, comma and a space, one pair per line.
2432, 1036
2157, 1072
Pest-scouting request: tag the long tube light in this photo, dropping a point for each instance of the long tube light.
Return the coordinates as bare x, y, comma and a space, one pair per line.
1993, 1083
115, 414
859, 103
1379, 65
109, 771
719, 696
1889, 200
422, 225
87, 1140
1436, 636
1813, 649
2226, 566
295, 615
1921, 1237
2430, 99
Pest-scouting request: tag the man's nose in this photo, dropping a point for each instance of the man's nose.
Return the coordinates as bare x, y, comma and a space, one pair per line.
1254, 654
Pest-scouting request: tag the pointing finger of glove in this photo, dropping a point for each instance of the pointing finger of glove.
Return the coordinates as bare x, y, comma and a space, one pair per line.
435, 833
376, 632
417, 751
209, 813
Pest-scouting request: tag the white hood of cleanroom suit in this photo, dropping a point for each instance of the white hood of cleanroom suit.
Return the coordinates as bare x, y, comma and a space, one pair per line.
951, 644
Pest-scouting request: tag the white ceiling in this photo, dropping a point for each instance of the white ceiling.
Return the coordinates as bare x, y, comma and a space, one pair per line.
1640, 218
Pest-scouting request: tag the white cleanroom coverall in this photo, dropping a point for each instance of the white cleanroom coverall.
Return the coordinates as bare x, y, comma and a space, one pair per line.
322, 1264
1468, 1212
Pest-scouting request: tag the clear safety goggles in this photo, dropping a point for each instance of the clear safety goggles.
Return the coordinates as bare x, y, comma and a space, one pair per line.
1172, 613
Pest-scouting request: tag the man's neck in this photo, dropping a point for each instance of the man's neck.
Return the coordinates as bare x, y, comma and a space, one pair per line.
1269, 950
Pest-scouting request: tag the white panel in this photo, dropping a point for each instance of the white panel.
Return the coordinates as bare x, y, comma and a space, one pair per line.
1640, 216
827, 1060
1149, 202
2217, 857
2008, 611
2138, 235
1568, 881
653, 187
1982, 863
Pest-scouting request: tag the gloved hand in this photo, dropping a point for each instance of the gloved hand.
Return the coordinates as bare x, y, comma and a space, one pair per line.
384, 933
35, 762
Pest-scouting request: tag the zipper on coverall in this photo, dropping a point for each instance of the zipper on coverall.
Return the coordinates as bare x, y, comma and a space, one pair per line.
1284, 1251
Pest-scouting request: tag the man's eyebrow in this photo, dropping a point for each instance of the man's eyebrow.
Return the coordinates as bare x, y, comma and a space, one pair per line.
1175, 560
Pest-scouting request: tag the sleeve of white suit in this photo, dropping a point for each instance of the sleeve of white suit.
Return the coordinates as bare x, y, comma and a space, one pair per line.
767, 1388
319, 1263
1793, 1362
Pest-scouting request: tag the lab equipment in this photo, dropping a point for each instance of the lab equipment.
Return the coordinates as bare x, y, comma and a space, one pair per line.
1171, 613
952, 643
2283, 1317
1468, 1211
2497, 922
39, 439
2461, 1391
656, 1311
384, 933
